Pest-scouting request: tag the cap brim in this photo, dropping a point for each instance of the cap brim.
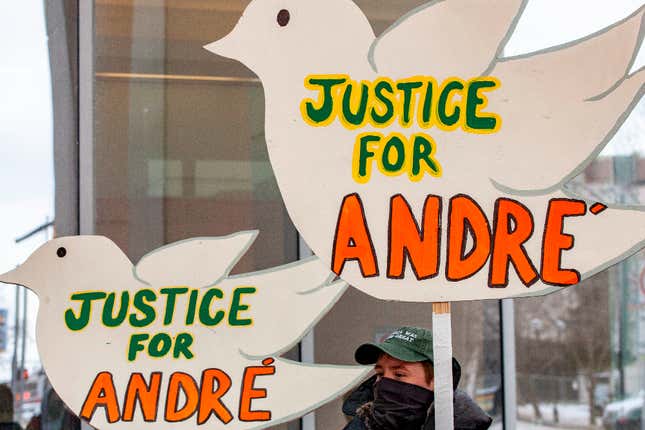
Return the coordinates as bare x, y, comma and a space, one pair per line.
369, 353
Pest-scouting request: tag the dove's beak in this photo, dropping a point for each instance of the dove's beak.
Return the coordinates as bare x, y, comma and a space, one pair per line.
17, 276
226, 46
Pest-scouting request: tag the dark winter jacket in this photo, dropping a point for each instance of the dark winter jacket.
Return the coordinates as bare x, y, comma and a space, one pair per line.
468, 416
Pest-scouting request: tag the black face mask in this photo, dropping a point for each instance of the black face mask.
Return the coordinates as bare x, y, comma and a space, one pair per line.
399, 405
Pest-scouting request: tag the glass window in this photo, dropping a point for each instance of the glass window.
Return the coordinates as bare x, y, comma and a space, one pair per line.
179, 133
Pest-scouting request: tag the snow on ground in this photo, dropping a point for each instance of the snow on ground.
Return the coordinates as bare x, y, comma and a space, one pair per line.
569, 416
522, 426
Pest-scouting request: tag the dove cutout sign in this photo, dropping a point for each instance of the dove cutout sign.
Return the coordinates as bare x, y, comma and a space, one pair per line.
422, 165
175, 342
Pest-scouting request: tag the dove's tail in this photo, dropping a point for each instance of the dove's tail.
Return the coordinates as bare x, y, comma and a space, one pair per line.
605, 236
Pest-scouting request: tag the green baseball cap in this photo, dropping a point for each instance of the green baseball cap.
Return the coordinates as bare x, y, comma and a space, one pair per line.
411, 344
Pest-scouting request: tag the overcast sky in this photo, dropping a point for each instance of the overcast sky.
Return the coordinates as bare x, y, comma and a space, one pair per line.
26, 173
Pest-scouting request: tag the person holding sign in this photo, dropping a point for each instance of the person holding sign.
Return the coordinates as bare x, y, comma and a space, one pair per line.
401, 394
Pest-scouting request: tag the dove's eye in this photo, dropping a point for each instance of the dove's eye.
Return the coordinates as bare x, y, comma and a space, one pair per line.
284, 17
61, 252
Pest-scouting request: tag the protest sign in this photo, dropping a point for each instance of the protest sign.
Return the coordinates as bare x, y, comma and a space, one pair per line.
175, 342
421, 165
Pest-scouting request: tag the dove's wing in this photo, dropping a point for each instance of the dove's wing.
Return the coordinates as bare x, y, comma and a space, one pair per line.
561, 106
289, 300
446, 38
195, 262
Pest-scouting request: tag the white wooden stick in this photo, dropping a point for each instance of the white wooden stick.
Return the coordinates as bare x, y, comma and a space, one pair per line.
442, 353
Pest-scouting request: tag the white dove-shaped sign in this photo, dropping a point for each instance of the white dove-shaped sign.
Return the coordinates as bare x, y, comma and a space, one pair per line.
421, 165
175, 342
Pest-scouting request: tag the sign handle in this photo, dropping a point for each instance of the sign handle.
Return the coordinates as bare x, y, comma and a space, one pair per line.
442, 353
